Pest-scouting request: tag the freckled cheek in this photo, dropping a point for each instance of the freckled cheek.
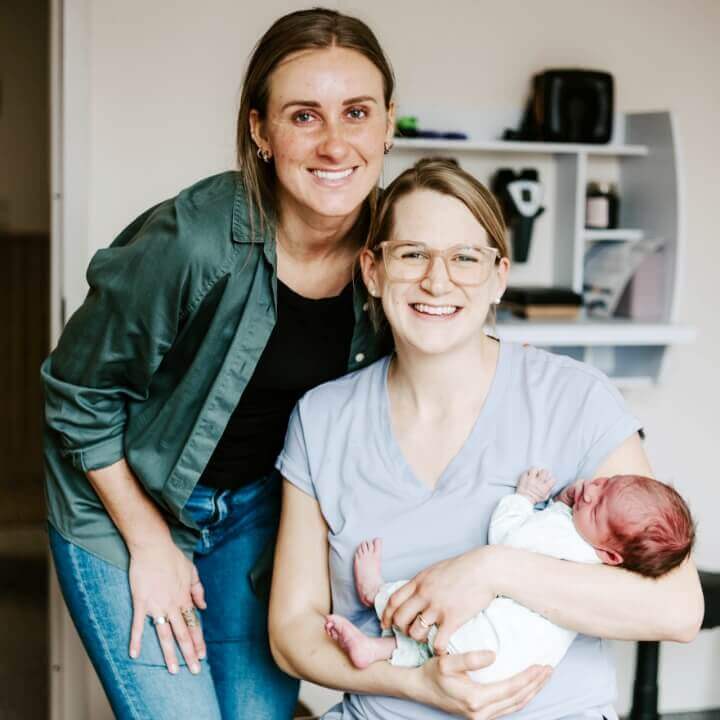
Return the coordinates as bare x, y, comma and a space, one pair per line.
291, 149
369, 140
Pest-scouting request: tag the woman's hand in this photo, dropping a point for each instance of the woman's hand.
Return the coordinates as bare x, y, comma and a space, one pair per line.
447, 686
446, 594
164, 583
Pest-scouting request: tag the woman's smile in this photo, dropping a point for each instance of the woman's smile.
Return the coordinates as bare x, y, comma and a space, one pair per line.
332, 177
435, 312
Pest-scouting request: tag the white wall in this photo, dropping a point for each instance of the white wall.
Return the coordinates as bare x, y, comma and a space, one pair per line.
164, 83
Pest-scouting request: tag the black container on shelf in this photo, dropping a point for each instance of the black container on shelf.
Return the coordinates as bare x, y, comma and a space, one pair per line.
601, 207
568, 105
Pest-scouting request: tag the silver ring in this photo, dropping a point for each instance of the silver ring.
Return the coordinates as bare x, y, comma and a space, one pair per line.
421, 620
160, 620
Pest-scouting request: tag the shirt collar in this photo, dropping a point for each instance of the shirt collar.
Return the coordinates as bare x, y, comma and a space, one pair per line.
246, 226
242, 232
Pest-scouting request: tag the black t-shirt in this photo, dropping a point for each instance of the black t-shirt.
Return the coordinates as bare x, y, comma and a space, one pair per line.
309, 345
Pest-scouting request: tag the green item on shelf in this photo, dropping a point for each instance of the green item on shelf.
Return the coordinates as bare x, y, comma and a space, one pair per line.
406, 123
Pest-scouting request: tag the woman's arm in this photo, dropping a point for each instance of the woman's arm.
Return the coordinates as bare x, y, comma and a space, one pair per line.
300, 600
162, 580
107, 356
629, 606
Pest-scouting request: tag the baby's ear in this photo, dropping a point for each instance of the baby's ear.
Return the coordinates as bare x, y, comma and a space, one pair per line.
609, 556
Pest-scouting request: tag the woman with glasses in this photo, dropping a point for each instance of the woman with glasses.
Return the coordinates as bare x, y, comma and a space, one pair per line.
419, 447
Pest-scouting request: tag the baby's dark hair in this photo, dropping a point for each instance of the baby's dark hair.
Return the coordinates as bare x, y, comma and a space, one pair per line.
655, 532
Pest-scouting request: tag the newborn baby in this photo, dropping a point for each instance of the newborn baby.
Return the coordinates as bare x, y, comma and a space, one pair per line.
628, 520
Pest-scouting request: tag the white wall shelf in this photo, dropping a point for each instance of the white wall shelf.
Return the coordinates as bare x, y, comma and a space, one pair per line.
633, 383
589, 332
643, 161
628, 234
514, 146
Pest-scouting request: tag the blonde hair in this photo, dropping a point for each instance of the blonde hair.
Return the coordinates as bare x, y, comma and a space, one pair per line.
445, 176
318, 28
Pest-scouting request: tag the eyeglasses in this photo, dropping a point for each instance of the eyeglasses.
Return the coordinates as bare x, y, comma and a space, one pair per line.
465, 264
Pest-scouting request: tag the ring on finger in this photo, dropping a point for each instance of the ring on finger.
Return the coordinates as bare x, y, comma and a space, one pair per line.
422, 621
189, 616
160, 619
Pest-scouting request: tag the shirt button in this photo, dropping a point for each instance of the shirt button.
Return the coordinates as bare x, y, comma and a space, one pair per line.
359, 357
365, 307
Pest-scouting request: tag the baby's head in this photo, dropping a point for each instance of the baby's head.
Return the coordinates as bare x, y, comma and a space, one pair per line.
634, 522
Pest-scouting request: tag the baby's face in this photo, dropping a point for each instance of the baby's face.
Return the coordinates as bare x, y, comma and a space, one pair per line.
594, 503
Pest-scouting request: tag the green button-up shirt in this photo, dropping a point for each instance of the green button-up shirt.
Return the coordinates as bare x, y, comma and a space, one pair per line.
153, 363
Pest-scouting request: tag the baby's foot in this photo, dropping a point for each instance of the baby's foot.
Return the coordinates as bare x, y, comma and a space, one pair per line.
368, 577
361, 650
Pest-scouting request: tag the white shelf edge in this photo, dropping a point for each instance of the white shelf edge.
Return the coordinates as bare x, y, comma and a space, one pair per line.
585, 333
632, 383
627, 234
514, 146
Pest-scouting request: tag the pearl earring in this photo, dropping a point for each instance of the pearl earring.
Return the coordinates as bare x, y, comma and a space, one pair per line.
498, 299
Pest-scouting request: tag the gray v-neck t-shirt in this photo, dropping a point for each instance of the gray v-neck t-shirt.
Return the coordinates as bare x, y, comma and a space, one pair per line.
542, 410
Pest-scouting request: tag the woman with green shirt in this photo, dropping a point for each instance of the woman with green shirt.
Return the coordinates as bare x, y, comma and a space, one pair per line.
168, 395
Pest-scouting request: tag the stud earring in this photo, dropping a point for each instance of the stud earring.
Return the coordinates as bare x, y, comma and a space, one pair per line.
387, 147
497, 300
264, 155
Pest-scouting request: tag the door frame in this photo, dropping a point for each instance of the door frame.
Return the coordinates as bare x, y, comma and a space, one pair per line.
73, 685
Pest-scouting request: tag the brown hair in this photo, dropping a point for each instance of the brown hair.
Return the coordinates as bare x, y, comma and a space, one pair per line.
318, 28
655, 532
445, 176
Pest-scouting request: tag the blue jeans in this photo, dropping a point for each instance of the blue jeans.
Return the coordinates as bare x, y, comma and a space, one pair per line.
239, 678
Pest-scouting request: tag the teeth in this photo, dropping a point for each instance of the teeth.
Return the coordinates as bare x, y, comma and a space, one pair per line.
435, 310
332, 175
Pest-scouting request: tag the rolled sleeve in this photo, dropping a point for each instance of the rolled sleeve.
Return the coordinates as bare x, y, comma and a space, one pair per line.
97, 456
607, 424
293, 463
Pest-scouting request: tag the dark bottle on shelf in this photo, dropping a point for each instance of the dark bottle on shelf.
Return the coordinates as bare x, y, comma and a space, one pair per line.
602, 206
